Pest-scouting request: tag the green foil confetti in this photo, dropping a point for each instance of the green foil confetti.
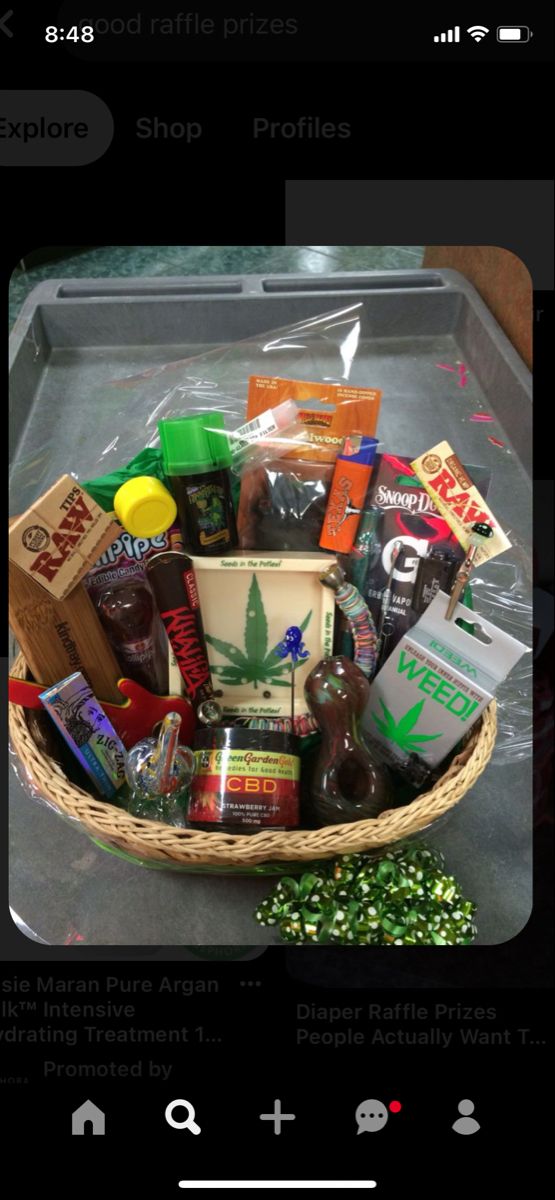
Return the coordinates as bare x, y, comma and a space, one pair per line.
403, 898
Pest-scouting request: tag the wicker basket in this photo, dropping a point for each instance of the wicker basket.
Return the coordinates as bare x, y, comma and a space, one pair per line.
154, 841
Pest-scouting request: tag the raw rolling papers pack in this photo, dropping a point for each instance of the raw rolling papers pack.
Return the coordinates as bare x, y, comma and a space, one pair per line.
456, 496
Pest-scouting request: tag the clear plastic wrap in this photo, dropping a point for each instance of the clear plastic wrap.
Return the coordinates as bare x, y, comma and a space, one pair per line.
288, 495
501, 592
282, 506
266, 437
321, 349
30, 785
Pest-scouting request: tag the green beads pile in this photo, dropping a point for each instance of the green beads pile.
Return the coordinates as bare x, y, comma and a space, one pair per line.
403, 898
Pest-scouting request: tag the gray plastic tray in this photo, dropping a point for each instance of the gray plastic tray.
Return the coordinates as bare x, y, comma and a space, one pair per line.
73, 335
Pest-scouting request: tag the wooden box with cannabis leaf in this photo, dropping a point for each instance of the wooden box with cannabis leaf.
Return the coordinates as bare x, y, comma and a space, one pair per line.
437, 681
247, 602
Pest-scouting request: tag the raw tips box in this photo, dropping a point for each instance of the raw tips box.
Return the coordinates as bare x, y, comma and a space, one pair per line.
60, 537
437, 681
88, 732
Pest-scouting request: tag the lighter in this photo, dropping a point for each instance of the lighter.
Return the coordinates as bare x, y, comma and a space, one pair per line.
349, 485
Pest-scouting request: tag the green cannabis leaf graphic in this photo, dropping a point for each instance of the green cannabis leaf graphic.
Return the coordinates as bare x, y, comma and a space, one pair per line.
255, 664
399, 732
256, 625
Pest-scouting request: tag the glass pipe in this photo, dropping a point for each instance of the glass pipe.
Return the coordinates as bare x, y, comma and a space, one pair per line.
159, 772
347, 783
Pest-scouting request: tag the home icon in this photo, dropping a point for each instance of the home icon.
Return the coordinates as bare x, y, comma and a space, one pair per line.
88, 1119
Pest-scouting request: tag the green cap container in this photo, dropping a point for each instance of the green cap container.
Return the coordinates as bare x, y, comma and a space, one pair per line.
190, 448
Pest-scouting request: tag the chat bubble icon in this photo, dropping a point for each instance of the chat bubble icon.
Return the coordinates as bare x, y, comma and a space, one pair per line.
371, 1116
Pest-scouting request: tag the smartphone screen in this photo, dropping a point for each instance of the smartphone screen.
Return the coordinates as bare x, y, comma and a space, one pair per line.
278, 833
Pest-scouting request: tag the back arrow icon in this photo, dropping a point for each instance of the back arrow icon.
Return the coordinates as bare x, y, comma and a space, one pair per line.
3, 25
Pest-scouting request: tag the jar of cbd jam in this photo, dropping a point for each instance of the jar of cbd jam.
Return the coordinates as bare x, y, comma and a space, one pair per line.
245, 780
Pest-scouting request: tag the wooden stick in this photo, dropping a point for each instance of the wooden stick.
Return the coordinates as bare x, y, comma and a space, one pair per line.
58, 637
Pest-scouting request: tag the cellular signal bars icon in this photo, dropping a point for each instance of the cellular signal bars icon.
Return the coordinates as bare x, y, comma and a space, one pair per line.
452, 35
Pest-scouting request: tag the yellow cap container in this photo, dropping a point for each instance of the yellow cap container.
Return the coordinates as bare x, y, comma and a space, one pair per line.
144, 506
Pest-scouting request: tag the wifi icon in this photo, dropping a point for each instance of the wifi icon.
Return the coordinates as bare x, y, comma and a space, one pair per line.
477, 32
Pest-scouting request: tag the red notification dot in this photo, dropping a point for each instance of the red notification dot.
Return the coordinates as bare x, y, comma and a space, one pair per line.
395, 1106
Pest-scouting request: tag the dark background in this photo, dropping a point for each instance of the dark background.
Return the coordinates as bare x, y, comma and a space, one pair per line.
416, 111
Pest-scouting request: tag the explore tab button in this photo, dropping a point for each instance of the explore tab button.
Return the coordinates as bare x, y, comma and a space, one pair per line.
53, 128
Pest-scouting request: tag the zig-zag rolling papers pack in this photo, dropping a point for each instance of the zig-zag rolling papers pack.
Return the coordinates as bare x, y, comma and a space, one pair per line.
87, 731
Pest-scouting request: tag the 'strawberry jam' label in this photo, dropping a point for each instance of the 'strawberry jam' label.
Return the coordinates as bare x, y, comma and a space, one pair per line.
245, 787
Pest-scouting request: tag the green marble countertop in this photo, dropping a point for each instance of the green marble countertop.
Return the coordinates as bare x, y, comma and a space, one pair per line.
118, 261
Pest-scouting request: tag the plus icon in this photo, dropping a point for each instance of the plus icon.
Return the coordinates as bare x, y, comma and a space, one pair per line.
277, 1116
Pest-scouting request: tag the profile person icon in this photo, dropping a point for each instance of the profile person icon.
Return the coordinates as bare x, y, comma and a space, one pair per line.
465, 1123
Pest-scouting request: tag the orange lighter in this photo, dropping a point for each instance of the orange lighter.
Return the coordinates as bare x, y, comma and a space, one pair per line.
349, 485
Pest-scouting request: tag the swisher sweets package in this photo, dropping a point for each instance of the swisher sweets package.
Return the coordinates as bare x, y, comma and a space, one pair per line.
405, 513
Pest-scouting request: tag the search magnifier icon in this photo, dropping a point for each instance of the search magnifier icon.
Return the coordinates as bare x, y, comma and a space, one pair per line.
189, 1122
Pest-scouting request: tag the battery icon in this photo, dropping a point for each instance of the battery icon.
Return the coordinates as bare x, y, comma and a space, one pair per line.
513, 33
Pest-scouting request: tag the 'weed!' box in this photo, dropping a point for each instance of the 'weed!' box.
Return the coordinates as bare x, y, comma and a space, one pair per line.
247, 603
437, 681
